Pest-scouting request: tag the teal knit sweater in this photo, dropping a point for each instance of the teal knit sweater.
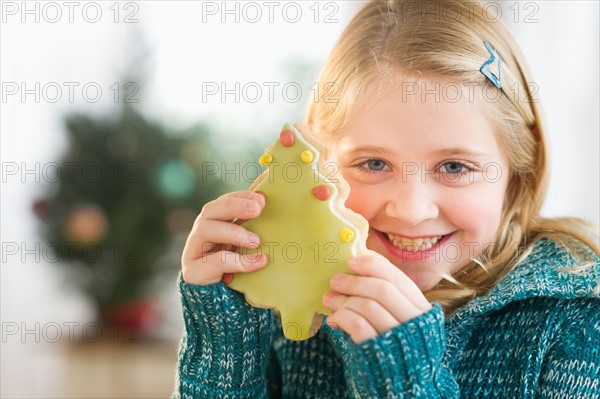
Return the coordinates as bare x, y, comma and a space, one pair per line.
536, 334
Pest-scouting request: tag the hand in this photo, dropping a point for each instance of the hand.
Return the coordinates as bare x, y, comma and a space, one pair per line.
379, 297
209, 249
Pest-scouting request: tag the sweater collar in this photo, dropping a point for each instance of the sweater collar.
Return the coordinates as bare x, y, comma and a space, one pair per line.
542, 274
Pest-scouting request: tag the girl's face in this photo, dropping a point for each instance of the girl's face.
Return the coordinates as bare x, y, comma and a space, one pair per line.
429, 176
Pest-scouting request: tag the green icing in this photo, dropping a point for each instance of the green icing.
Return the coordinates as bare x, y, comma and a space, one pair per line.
301, 236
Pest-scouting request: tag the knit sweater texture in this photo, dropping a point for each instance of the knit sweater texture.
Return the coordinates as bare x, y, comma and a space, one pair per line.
535, 334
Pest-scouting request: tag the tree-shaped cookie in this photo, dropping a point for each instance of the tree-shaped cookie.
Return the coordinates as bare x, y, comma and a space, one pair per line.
305, 231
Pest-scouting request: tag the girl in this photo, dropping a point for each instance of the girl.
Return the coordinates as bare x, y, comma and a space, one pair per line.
440, 138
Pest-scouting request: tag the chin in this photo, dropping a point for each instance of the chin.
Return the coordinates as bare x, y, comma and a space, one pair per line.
424, 279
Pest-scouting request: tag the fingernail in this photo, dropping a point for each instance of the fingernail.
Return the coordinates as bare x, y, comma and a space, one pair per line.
353, 261
328, 298
337, 279
253, 240
262, 199
255, 260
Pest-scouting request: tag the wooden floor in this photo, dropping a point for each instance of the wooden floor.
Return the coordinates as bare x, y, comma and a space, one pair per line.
91, 370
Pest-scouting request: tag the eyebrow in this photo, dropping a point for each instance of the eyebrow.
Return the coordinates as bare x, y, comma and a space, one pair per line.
458, 151
369, 149
443, 152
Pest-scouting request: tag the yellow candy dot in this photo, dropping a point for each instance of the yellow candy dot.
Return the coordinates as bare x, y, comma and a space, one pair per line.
346, 235
306, 156
265, 159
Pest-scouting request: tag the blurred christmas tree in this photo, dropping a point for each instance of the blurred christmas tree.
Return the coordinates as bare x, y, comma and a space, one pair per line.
128, 189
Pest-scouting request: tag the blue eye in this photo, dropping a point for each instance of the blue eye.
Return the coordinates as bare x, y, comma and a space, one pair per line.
375, 164
454, 167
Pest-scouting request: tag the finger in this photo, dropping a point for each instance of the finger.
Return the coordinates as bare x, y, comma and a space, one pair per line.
353, 323
251, 195
263, 202
205, 235
210, 268
371, 310
379, 290
372, 267
241, 205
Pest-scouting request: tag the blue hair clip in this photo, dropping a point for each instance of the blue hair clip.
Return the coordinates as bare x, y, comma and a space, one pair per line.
485, 70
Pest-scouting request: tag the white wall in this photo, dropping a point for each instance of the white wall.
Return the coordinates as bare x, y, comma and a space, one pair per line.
560, 42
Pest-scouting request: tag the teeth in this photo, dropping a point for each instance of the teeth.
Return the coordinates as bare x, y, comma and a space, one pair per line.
413, 245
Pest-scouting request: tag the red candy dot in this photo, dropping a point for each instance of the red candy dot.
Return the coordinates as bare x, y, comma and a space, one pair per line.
227, 278
321, 192
287, 138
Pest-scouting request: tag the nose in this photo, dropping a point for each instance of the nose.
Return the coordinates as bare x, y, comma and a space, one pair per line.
412, 202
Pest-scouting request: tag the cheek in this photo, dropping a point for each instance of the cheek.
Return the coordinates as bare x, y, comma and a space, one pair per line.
361, 199
477, 212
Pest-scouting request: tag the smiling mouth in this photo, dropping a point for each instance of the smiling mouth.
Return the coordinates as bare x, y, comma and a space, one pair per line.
413, 244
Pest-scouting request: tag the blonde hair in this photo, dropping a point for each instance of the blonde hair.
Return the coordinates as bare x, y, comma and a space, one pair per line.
444, 39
